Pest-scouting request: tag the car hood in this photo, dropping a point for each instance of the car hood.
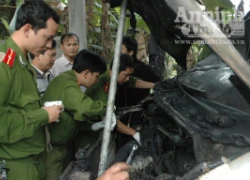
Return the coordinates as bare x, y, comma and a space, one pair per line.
161, 17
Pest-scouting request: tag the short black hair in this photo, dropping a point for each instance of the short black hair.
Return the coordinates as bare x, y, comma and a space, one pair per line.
131, 44
35, 13
53, 46
68, 35
126, 61
87, 60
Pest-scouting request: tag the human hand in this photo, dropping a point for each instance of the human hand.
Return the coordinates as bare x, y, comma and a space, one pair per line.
53, 112
118, 171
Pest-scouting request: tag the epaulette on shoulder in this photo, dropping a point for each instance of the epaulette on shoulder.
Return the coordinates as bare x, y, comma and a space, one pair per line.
9, 57
106, 87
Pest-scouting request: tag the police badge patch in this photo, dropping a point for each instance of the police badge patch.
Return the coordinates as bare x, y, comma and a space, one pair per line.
9, 57
106, 87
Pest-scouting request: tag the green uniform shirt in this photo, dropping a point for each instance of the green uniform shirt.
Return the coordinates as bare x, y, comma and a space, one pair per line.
101, 89
21, 116
77, 107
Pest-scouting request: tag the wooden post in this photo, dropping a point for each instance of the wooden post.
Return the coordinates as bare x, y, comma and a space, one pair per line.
77, 21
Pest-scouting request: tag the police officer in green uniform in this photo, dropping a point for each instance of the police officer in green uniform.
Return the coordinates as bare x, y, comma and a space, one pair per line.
78, 107
22, 120
100, 91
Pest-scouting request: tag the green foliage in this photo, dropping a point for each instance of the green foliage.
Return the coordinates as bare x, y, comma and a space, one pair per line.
198, 51
64, 2
19, 2
205, 51
5, 23
140, 23
217, 6
211, 4
172, 68
6, 14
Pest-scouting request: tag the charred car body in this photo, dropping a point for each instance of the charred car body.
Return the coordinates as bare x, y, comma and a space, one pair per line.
193, 120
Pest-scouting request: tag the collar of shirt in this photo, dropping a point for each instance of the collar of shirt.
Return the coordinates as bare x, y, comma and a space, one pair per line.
65, 61
41, 73
38, 70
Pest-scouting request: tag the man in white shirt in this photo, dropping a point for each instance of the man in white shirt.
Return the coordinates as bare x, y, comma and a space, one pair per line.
70, 46
42, 64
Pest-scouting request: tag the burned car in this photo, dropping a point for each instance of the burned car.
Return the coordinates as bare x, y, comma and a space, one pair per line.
193, 120
188, 122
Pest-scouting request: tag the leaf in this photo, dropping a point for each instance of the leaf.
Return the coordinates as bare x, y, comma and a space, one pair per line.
212, 4
140, 23
223, 7
118, 10
5, 23
113, 17
64, 2
19, 2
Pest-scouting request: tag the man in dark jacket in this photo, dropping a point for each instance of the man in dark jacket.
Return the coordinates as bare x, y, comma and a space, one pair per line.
42, 64
126, 96
132, 96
